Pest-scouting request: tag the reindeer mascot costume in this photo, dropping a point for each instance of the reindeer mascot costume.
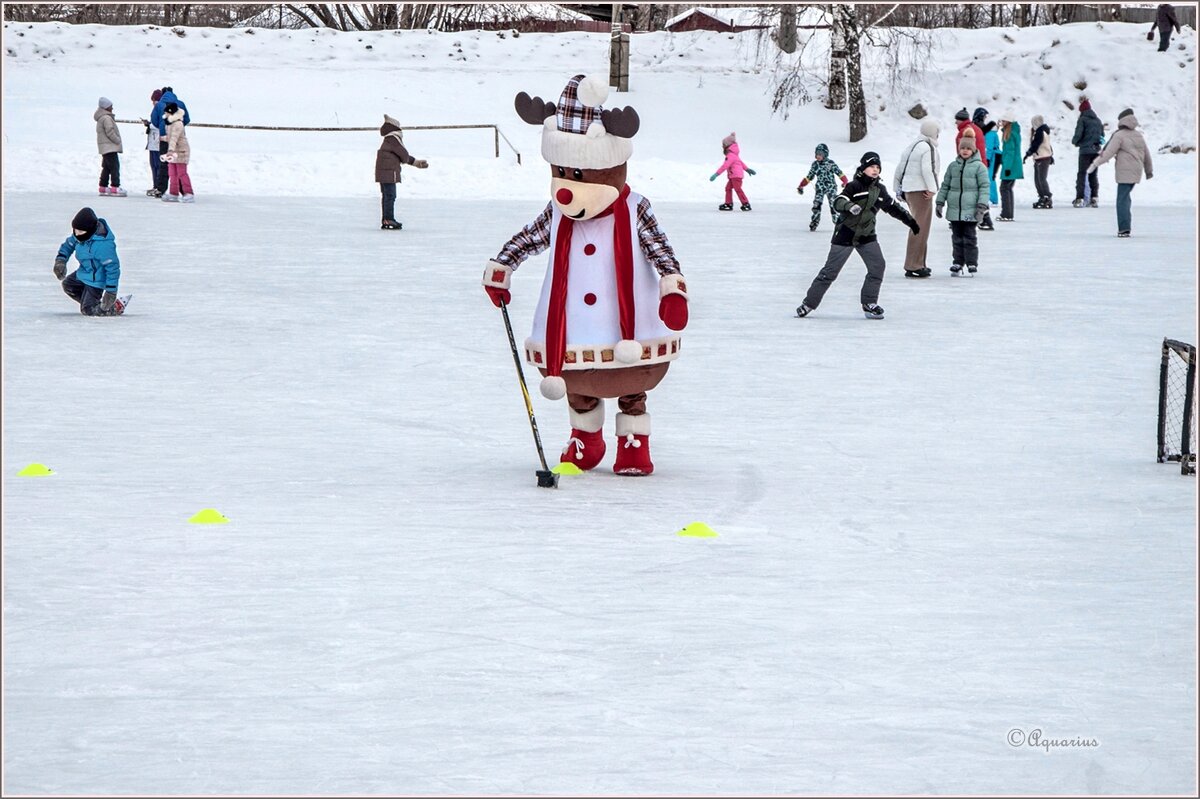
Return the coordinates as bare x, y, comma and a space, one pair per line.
613, 299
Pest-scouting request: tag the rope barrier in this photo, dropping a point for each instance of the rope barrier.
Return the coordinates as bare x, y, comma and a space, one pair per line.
496, 130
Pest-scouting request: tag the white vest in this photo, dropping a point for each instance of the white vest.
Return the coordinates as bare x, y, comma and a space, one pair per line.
592, 315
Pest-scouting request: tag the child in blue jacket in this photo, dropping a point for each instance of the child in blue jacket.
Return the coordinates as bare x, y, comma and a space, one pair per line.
94, 284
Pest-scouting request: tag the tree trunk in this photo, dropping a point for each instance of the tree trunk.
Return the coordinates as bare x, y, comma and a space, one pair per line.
858, 102
835, 99
787, 28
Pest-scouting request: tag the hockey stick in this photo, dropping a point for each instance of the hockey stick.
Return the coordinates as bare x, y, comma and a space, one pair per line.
546, 478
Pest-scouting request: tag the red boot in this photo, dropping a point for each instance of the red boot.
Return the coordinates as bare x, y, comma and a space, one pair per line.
633, 445
585, 448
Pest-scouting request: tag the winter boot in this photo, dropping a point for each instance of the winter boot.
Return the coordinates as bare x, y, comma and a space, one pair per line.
1124, 234
1047, 202
170, 198
924, 272
633, 445
813, 226
1078, 203
986, 224
390, 224
724, 207
121, 304
803, 310
872, 311
155, 193
585, 447
972, 269
104, 191
188, 198
1041, 203
956, 270
745, 206
1094, 203
117, 191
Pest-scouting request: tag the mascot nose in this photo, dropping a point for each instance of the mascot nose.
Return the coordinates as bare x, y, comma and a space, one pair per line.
564, 196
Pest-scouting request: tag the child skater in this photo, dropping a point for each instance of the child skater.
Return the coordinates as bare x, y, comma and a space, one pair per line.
964, 195
737, 169
94, 284
825, 170
859, 203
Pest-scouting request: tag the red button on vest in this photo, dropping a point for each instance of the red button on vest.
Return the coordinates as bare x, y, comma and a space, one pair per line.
590, 299
589, 249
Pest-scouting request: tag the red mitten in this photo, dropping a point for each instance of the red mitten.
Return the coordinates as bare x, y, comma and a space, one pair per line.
673, 301
496, 278
844, 181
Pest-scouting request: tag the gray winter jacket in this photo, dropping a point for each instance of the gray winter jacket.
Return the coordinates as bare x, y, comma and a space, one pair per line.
1129, 147
108, 138
1089, 131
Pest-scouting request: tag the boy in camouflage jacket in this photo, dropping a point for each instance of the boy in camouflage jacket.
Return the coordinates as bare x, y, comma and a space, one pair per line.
826, 171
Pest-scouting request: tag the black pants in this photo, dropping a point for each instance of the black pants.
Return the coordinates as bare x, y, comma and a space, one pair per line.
154, 167
1164, 39
110, 169
162, 177
964, 243
87, 296
1006, 198
388, 190
1041, 169
1085, 160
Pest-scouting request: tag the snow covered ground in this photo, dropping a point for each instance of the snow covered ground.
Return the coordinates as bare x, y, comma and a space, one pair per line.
938, 533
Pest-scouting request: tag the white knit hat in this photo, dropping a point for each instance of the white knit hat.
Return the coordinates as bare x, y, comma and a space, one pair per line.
105, 102
575, 135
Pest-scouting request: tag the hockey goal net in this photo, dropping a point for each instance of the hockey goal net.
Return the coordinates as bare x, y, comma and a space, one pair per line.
1177, 405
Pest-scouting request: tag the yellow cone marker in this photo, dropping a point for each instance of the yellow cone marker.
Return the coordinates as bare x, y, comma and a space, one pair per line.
35, 470
567, 468
208, 516
697, 530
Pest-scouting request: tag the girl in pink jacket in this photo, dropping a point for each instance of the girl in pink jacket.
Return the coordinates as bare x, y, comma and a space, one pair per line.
736, 171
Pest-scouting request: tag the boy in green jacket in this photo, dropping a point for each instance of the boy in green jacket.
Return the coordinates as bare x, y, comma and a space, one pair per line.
965, 190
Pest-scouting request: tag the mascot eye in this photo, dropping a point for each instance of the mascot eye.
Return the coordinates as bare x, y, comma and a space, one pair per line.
562, 173
577, 174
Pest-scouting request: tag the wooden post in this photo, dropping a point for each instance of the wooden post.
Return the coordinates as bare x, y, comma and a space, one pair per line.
618, 54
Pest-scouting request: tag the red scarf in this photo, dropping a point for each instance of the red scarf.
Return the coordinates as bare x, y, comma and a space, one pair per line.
556, 314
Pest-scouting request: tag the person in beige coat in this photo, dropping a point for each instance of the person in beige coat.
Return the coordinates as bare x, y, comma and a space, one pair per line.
177, 157
1132, 155
108, 142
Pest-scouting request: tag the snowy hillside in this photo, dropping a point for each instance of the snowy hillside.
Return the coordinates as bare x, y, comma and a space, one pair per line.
690, 90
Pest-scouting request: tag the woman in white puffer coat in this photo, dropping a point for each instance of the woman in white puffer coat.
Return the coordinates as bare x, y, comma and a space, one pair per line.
916, 183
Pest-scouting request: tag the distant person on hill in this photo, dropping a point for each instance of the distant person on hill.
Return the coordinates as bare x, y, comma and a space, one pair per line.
736, 170
1129, 147
388, 161
1043, 158
94, 284
156, 119
177, 157
1165, 21
858, 205
1089, 137
1011, 169
963, 196
915, 184
826, 172
108, 141
152, 138
989, 156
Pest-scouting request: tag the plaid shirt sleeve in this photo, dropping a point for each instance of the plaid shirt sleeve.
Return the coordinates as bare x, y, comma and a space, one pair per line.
530, 240
654, 242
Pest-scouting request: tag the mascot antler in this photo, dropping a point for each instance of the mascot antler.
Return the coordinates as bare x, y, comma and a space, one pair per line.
533, 110
621, 122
